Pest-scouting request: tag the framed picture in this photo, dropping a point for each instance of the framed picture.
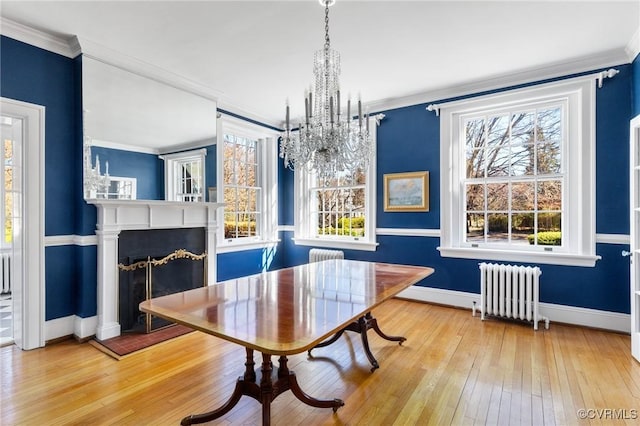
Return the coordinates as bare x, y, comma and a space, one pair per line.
406, 192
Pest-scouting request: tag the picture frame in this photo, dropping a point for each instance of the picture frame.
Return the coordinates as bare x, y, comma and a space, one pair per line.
406, 192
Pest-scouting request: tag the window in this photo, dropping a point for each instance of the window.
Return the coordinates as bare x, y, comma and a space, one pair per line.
11, 129
184, 176
120, 188
242, 191
247, 183
522, 168
338, 212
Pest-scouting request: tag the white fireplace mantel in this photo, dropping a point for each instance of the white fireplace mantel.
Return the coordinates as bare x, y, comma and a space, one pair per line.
115, 216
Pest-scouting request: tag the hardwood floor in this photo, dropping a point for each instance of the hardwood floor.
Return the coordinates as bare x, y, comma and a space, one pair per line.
453, 369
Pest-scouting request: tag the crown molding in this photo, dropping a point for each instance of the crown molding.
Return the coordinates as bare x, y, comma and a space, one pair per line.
560, 69
633, 47
117, 59
124, 147
38, 38
224, 104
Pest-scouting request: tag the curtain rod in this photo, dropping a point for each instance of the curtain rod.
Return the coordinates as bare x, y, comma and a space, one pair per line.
598, 76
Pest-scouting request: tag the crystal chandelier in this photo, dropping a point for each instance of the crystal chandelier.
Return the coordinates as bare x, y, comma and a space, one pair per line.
328, 140
96, 185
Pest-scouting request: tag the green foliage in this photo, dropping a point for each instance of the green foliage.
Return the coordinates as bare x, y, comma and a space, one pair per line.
548, 238
356, 222
498, 223
245, 229
341, 231
549, 221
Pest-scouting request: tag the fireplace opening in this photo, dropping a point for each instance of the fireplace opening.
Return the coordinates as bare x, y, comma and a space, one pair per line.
155, 263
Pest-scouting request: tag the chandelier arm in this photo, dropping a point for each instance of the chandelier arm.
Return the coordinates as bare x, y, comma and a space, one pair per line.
326, 141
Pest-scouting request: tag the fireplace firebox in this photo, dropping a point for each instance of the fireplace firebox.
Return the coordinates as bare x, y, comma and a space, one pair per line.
153, 263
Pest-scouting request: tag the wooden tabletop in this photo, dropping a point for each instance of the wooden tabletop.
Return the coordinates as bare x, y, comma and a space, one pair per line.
290, 310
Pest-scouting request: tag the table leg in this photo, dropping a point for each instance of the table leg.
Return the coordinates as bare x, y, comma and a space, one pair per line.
373, 323
271, 384
361, 326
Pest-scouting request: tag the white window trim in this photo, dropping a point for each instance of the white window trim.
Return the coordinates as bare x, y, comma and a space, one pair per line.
302, 208
267, 156
169, 170
579, 213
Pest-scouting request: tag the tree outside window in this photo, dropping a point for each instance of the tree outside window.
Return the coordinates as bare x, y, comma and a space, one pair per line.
514, 177
341, 205
7, 196
242, 193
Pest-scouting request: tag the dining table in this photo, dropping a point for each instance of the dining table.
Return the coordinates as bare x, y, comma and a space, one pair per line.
285, 312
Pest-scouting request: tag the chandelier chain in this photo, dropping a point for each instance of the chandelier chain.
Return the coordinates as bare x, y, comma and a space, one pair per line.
327, 42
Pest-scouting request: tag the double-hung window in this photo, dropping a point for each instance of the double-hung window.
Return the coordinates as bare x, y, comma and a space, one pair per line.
184, 175
247, 184
519, 175
340, 211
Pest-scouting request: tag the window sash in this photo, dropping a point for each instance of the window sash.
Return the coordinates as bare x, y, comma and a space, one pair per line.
578, 187
515, 140
242, 190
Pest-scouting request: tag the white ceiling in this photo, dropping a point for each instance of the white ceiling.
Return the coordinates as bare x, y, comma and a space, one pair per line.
253, 55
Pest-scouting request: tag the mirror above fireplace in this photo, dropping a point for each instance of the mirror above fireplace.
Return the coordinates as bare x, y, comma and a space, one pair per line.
131, 119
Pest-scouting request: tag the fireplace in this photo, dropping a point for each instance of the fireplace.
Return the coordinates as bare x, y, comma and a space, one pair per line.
154, 263
117, 216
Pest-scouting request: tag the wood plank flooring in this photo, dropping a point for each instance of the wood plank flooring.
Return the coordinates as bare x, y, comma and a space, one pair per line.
453, 369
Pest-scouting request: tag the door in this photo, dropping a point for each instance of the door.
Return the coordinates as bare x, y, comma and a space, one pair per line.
634, 231
24, 132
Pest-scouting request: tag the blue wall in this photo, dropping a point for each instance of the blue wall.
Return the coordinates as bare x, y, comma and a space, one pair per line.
148, 169
37, 76
408, 140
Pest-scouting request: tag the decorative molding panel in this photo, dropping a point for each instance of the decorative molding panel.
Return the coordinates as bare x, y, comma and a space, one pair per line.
406, 232
435, 233
70, 240
612, 239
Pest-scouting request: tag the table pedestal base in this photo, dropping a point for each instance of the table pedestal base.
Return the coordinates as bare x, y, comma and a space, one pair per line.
266, 389
361, 326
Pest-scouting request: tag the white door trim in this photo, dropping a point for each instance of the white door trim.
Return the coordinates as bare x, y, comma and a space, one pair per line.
634, 233
31, 310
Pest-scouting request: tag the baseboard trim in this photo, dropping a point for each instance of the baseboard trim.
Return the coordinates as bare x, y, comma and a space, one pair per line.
586, 317
80, 328
60, 327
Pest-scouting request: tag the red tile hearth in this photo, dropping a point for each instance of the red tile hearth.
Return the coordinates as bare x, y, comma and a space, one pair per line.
128, 343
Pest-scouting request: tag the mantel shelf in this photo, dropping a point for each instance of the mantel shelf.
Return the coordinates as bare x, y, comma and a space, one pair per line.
117, 215
151, 203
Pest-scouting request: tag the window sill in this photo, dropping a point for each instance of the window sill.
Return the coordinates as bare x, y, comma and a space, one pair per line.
564, 259
242, 246
338, 244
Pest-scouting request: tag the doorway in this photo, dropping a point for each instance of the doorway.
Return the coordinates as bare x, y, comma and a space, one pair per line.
22, 220
11, 139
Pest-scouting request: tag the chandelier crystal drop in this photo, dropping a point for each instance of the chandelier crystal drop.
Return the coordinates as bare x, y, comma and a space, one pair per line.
328, 139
